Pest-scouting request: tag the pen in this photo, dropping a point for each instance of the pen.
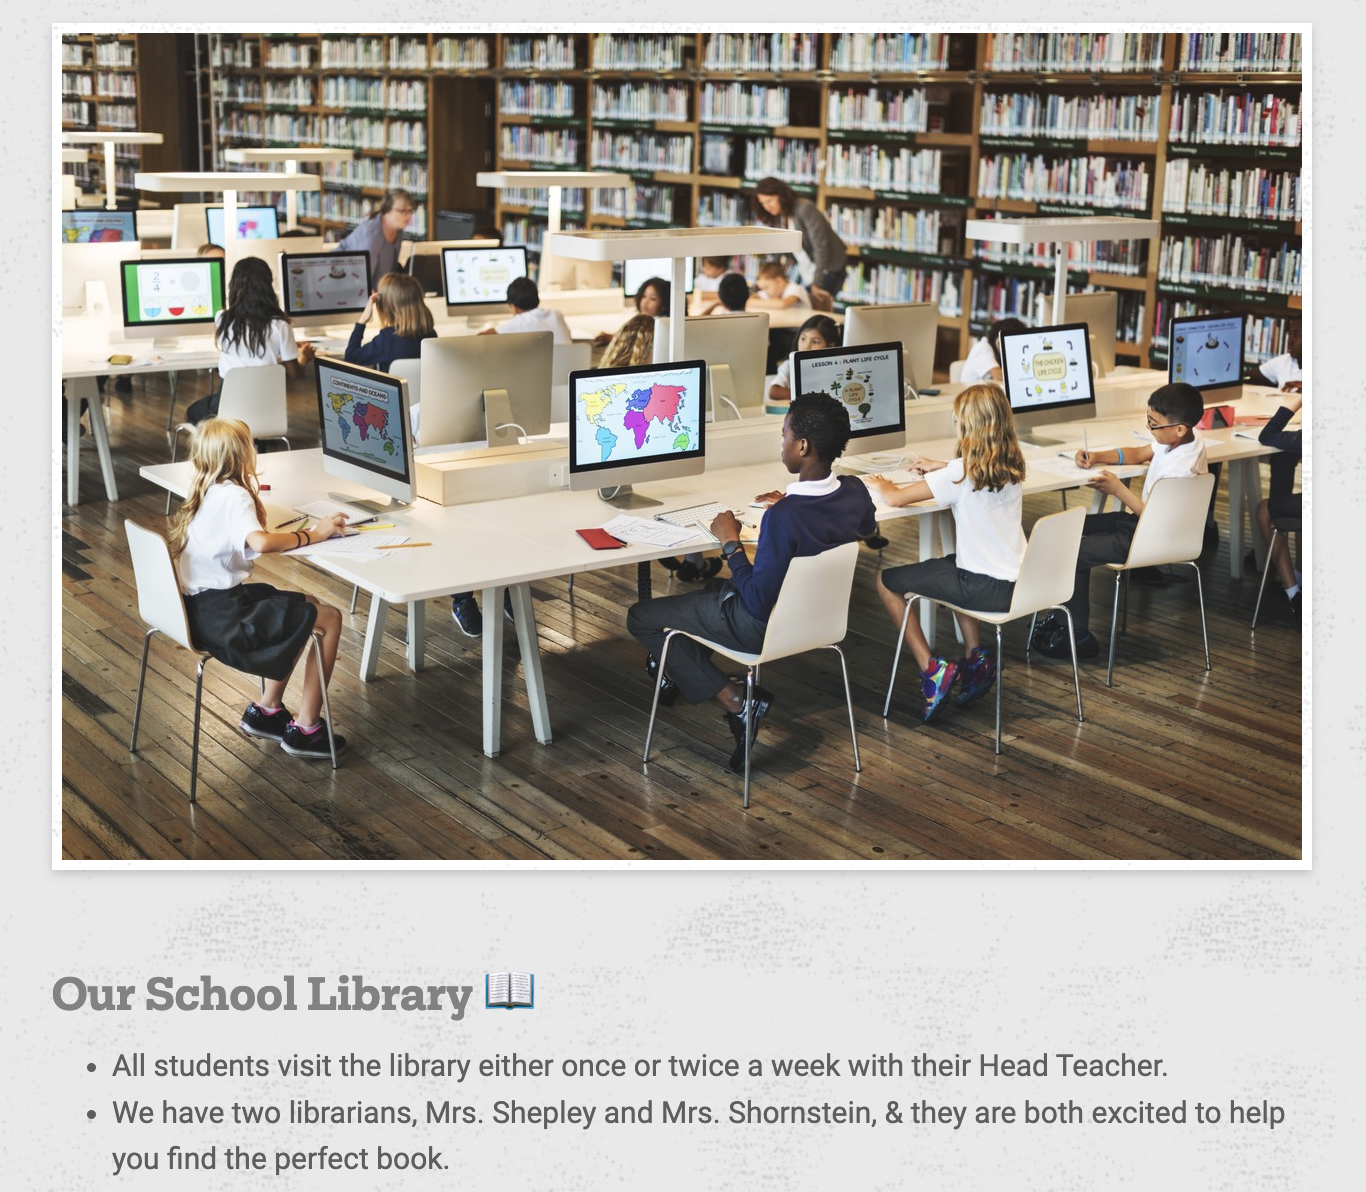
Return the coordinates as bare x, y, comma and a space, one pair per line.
402, 545
1085, 444
386, 526
293, 521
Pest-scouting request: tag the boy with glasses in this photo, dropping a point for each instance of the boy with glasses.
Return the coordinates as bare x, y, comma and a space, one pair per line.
1176, 450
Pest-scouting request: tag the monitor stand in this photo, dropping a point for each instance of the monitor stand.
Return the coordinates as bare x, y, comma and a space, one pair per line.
622, 497
720, 382
1036, 440
392, 505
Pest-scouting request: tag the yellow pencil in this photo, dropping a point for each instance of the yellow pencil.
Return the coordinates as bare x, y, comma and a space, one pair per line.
362, 529
402, 545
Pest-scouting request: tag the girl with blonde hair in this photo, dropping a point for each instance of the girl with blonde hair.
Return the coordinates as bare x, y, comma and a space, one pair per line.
633, 343
253, 627
404, 322
983, 488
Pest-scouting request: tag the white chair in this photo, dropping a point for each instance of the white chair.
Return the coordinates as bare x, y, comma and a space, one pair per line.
257, 395
956, 371
566, 358
1171, 530
411, 371
161, 606
1279, 525
811, 613
1047, 573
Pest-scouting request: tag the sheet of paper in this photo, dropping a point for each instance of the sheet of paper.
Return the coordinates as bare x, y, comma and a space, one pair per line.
647, 531
359, 548
1055, 465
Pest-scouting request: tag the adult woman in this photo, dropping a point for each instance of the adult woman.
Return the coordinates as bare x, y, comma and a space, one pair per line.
821, 259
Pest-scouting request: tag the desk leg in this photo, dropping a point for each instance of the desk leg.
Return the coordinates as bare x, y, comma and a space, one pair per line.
73, 442
101, 433
1244, 495
417, 634
529, 644
493, 670
170, 408
374, 636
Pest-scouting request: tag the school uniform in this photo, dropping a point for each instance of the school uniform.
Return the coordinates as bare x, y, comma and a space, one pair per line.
540, 318
386, 347
981, 360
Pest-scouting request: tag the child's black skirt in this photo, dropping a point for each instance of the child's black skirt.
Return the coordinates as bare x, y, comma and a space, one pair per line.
254, 628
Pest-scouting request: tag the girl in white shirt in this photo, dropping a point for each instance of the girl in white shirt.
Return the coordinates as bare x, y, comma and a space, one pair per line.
253, 627
983, 488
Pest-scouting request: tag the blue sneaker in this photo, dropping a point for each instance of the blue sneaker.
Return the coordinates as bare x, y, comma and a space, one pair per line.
979, 673
936, 684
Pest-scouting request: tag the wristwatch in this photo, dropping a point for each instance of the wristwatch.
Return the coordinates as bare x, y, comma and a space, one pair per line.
729, 548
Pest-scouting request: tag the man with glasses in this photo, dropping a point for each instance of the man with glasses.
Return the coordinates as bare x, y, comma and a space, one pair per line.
1176, 450
380, 235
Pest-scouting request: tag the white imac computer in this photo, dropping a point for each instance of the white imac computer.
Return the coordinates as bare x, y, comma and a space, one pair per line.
635, 424
735, 348
92, 276
253, 223
319, 288
363, 417
1048, 378
1207, 351
92, 225
914, 325
635, 274
1100, 312
486, 388
476, 279
870, 382
164, 299
424, 262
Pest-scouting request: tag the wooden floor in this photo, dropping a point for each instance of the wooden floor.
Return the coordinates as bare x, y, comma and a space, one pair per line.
1171, 764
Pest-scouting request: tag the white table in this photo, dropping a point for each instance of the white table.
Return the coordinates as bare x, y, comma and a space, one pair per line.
228, 183
111, 141
289, 156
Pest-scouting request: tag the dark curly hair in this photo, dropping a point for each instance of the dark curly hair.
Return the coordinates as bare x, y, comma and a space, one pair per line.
821, 421
252, 307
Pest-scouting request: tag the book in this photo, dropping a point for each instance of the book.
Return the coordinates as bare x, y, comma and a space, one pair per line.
509, 991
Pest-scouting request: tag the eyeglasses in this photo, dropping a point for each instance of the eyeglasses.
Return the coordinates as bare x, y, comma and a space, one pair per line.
1164, 425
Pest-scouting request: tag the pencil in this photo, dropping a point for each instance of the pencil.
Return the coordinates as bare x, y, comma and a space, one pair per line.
293, 521
402, 545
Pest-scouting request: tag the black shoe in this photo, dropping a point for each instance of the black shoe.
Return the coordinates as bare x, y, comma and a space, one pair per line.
468, 619
670, 565
711, 567
123, 385
298, 743
688, 570
508, 614
737, 721
1046, 629
1057, 646
270, 726
1211, 536
1294, 602
1154, 576
668, 690
876, 542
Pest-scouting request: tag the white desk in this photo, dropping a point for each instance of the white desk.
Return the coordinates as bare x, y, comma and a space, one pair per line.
227, 183
111, 141
289, 157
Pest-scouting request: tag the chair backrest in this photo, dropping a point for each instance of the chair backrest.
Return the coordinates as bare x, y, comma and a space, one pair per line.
1171, 528
1048, 570
812, 609
411, 371
956, 371
160, 603
257, 395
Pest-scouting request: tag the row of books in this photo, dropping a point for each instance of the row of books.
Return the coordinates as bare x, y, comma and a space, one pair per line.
1234, 118
717, 152
354, 53
1126, 257
760, 51
909, 230
76, 111
721, 209
1008, 298
1127, 117
1233, 261
1240, 51
613, 51
654, 203
537, 198
642, 151
882, 53
1074, 51
744, 103
408, 53
907, 170
118, 115
460, 53
349, 91
73, 53
551, 52
1095, 180
77, 86
538, 97
237, 90
299, 92
640, 101
878, 110
1264, 336
114, 53
792, 160
288, 55
108, 83
232, 53
364, 132
373, 174
1196, 188
549, 146
237, 125
875, 281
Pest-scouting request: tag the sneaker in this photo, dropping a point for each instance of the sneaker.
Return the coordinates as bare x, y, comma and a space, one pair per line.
1045, 629
876, 542
978, 674
298, 743
1057, 646
468, 619
1295, 613
751, 718
257, 722
668, 690
935, 685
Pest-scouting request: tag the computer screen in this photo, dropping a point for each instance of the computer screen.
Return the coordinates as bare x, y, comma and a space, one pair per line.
869, 381
458, 370
1207, 351
478, 277
635, 274
739, 342
1048, 378
171, 297
320, 287
363, 417
1100, 312
637, 423
914, 325
424, 262
93, 226
253, 223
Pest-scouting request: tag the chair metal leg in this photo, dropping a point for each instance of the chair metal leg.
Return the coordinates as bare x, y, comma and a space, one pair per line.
1266, 570
137, 703
1200, 594
1114, 626
1029, 641
654, 704
317, 640
175, 443
1076, 672
1000, 668
896, 658
747, 711
198, 705
849, 704
355, 591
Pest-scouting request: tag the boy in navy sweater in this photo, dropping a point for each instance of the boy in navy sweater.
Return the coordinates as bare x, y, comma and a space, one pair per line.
818, 511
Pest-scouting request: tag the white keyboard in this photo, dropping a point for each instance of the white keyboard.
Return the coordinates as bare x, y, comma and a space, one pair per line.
323, 508
899, 476
695, 513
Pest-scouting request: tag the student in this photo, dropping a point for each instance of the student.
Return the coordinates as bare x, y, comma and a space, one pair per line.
984, 358
252, 627
821, 260
651, 298
528, 314
380, 235
983, 487
1177, 450
775, 291
733, 292
251, 330
1283, 501
709, 273
404, 322
633, 343
819, 331
818, 511
210, 249
1284, 371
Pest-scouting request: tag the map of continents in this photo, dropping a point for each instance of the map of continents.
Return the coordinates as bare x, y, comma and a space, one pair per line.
365, 416
614, 412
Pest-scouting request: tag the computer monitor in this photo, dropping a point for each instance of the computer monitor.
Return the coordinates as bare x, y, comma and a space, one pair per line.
424, 262
870, 382
91, 276
474, 384
476, 279
1048, 378
253, 223
636, 424
363, 417
458, 225
1207, 351
1100, 312
736, 348
318, 288
914, 325
635, 274
167, 298
91, 225
270, 250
